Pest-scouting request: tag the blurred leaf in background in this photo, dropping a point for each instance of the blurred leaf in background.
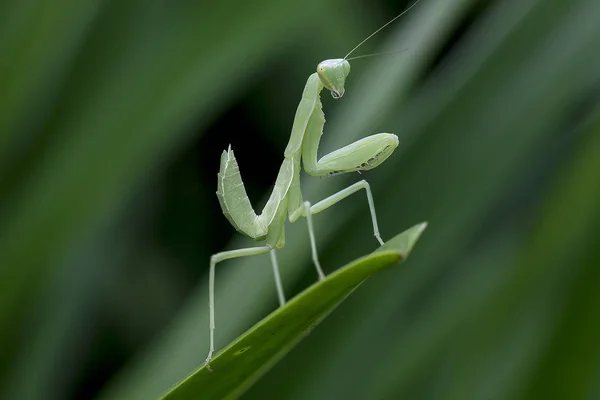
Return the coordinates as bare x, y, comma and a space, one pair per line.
113, 115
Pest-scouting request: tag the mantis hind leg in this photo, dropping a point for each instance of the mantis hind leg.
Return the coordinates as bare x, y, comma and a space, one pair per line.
226, 255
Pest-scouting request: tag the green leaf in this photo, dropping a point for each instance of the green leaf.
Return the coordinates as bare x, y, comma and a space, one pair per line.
248, 357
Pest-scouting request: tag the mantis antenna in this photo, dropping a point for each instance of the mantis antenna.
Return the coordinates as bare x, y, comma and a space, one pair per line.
383, 53
374, 33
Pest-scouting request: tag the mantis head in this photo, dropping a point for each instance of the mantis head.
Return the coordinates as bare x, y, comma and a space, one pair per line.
333, 75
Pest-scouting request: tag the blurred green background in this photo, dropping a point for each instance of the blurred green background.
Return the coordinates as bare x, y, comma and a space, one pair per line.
113, 115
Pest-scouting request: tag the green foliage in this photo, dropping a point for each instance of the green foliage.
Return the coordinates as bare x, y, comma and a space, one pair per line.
113, 115
251, 355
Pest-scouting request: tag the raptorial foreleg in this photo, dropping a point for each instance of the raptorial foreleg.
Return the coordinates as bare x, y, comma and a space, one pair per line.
362, 155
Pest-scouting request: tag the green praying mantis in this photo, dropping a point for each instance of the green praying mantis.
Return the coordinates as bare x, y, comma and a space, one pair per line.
286, 197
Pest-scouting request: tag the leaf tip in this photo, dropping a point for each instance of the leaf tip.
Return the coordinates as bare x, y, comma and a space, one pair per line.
405, 241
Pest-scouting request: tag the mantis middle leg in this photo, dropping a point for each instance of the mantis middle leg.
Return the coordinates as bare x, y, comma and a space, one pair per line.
307, 211
342, 194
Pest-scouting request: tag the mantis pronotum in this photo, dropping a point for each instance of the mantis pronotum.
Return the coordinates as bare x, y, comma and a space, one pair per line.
286, 198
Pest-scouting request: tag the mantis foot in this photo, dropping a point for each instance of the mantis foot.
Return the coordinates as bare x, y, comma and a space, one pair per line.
207, 361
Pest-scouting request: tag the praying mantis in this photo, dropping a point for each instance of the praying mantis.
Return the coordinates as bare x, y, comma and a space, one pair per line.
286, 197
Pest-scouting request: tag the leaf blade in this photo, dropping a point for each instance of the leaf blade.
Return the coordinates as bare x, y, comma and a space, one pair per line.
237, 367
